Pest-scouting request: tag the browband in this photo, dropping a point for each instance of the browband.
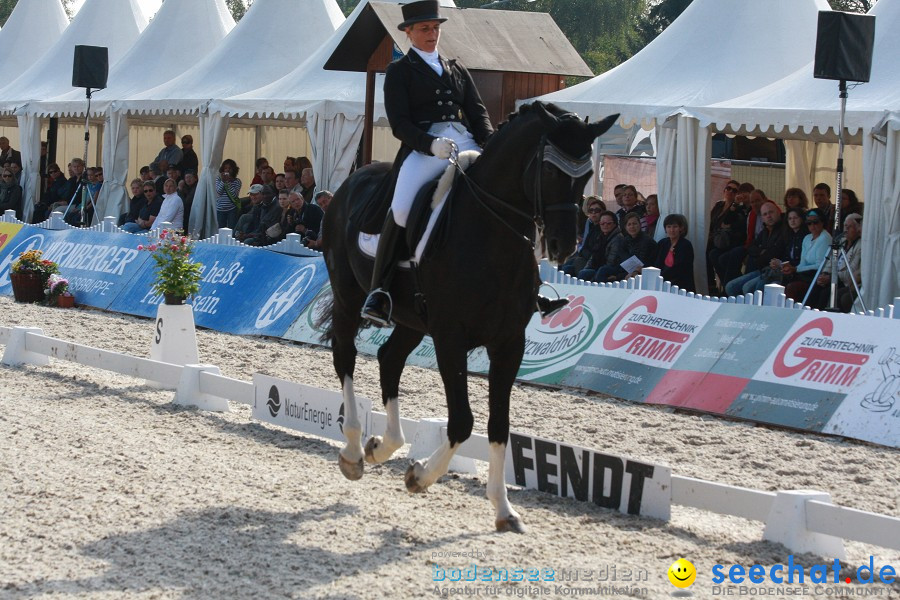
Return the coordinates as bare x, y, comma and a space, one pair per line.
571, 167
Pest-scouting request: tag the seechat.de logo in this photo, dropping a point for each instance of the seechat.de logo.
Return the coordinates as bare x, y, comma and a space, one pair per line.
274, 402
682, 574
34, 242
287, 294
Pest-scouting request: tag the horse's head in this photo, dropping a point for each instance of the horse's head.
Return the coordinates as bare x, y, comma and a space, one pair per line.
564, 164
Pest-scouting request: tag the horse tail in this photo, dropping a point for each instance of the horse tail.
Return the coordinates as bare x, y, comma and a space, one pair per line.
325, 323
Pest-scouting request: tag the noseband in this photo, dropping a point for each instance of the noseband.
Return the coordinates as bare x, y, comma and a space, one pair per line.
546, 152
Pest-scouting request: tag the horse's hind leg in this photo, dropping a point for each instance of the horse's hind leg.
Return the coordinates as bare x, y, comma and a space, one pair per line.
391, 360
345, 323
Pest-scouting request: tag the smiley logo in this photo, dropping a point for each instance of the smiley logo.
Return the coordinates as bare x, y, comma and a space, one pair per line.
682, 573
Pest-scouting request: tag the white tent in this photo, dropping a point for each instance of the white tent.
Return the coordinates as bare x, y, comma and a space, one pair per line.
332, 103
31, 30
270, 40
115, 24
181, 28
716, 49
802, 107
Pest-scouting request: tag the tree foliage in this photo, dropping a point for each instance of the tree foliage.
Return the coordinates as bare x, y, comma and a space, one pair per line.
238, 8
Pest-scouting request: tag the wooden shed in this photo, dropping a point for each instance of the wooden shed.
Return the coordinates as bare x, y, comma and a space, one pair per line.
511, 55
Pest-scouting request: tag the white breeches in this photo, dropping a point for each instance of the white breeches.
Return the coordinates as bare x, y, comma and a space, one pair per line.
418, 169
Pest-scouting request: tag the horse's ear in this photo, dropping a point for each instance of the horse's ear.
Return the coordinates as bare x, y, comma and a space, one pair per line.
549, 120
586, 119
601, 127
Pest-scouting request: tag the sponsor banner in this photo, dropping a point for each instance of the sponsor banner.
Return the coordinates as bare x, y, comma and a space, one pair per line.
305, 408
243, 290
97, 272
7, 232
607, 480
639, 344
554, 345
787, 405
716, 366
847, 360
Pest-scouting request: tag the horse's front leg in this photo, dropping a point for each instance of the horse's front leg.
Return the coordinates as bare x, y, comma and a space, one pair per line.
391, 360
505, 361
452, 363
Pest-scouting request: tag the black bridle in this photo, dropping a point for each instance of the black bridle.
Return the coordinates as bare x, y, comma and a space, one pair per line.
546, 152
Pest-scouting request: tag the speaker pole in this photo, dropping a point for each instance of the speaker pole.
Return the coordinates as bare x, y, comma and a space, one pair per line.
835, 244
87, 138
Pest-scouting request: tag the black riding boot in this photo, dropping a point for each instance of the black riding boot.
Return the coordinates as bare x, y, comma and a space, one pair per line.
378, 306
548, 307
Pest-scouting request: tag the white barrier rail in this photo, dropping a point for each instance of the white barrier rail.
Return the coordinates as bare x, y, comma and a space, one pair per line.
802, 521
650, 280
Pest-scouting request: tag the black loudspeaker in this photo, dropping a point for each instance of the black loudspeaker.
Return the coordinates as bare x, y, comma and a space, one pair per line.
844, 46
91, 67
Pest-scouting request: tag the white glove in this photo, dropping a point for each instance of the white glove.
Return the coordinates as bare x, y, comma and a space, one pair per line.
442, 147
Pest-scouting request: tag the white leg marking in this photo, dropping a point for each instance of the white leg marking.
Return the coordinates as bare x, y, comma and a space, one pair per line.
506, 518
421, 475
380, 449
351, 456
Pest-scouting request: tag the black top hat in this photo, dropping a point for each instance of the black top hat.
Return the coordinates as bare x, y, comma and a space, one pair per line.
423, 10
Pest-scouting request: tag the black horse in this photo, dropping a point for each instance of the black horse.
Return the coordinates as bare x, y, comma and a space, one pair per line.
479, 286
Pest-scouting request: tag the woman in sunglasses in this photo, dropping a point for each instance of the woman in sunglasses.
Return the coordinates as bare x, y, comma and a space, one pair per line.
10, 193
590, 240
815, 247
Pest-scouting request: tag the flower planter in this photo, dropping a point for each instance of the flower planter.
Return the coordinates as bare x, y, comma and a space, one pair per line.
27, 287
173, 299
65, 301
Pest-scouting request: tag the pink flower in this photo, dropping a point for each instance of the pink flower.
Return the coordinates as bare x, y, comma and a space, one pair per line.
183, 240
140, 247
152, 248
164, 233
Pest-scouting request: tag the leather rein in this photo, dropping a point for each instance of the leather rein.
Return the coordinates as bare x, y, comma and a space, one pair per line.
546, 152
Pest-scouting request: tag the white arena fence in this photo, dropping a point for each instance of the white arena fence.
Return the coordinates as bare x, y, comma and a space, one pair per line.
802, 520
650, 281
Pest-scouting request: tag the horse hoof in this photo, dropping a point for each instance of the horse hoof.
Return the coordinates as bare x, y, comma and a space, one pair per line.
412, 481
351, 470
511, 523
371, 445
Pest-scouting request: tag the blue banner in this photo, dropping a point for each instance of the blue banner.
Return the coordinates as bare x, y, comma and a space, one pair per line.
98, 267
243, 290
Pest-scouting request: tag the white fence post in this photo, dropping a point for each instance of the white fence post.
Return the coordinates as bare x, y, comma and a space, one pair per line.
188, 391
773, 295
786, 524
651, 279
15, 353
57, 221
9, 216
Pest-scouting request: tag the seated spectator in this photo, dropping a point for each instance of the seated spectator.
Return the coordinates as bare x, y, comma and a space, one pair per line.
629, 204
279, 182
16, 168
727, 230
675, 254
795, 198
56, 187
290, 164
146, 175
170, 154
815, 246
149, 210
850, 204
268, 176
648, 221
301, 163
7, 153
769, 244
248, 223
822, 200
731, 262
186, 189
174, 173
323, 200
589, 241
134, 205
172, 209
607, 249
306, 218
617, 192
820, 294
269, 229
635, 243
261, 163
228, 189
307, 185
95, 183
161, 171
10, 193
795, 231
189, 158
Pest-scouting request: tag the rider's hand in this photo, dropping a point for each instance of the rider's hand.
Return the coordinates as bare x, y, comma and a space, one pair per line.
442, 147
